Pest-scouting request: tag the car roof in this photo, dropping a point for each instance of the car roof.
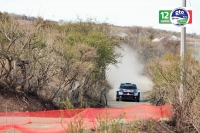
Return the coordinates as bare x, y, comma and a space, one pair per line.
127, 83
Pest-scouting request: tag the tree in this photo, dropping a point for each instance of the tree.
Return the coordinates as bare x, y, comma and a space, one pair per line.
85, 51
24, 63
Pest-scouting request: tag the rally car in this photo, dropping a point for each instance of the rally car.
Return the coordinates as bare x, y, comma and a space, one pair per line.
128, 91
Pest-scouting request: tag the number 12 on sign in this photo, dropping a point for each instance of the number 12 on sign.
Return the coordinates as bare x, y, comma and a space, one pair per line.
164, 16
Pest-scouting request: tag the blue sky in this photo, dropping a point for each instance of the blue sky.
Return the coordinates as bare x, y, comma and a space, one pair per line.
117, 12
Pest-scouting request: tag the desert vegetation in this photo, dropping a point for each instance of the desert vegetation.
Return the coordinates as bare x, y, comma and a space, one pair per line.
167, 78
64, 65
56, 62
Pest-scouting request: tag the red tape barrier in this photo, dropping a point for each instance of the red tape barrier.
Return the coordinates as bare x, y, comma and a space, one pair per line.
58, 121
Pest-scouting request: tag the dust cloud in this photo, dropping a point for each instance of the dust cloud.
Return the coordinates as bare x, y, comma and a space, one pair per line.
128, 70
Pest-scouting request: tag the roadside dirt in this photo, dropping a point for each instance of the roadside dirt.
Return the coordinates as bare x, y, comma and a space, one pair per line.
10, 102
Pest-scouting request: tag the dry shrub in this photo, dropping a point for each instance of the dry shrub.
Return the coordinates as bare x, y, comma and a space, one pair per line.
166, 77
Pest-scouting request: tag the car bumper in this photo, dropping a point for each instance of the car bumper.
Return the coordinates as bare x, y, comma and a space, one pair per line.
128, 97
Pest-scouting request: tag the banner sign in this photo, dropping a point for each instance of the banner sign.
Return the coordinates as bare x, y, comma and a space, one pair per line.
180, 17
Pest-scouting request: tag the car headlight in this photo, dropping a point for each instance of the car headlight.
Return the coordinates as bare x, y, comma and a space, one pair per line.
135, 93
120, 93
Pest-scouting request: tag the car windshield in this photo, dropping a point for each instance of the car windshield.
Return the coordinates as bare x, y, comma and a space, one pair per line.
128, 86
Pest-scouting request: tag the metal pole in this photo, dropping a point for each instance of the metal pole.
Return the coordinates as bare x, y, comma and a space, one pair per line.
182, 54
